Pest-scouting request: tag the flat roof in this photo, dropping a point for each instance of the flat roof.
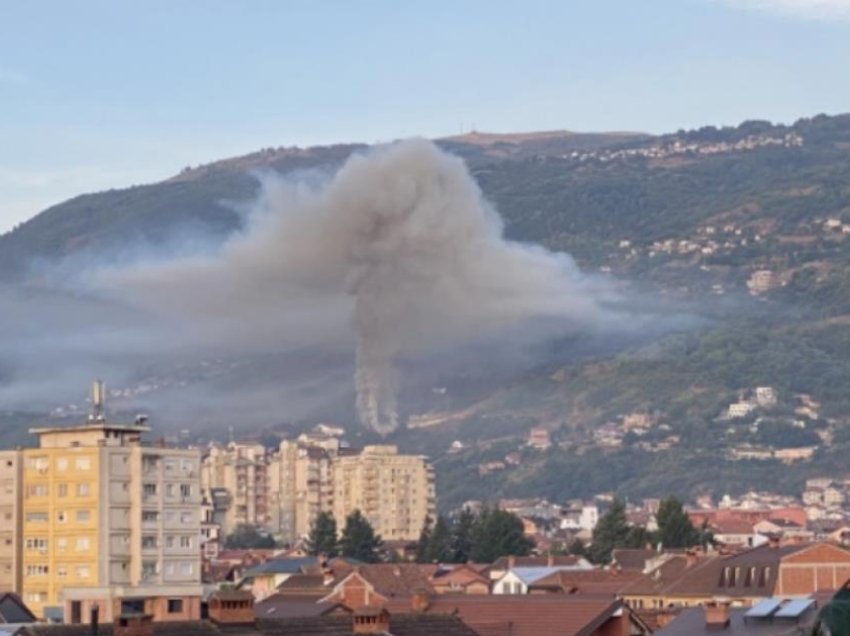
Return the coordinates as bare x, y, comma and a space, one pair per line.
91, 426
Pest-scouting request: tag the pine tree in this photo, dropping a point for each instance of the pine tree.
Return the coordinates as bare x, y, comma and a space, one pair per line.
322, 539
675, 529
423, 545
359, 540
612, 531
499, 533
463, 532
439, 548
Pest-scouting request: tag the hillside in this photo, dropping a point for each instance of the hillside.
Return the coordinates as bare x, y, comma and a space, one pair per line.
744, 229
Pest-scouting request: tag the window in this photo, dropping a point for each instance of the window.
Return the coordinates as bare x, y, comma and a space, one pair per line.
169, 569
61, 544
37, 517
61, 571
82, 571
83, 489
83, 544
82, 463
186, 569
149, 569
186, 517
169, 490
149, 541
187, 466
150, 516
61, 516
39, 463
37, 543
175, 605
39, 569
62, 464
169, 541
61, 490
83, 516
185, 542
35, 597
185, 490
37, 490
149, 490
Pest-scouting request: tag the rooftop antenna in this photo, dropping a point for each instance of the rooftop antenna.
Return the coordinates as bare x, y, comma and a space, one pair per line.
98, 397
230, 431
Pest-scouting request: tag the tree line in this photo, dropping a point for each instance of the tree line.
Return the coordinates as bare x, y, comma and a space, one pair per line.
613, 531
482, 537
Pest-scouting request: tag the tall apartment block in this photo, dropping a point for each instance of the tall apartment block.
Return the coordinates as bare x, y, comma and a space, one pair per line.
394, 492
110, 522
301, 476
10, 521
241, 470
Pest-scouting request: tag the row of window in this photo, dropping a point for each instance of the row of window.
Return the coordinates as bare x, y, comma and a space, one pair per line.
171, 541
80, 571
41, 516
152, 568
82, 489
41, 463
81, 544
151, 490
152, 516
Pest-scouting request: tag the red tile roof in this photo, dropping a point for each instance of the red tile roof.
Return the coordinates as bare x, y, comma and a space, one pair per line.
526, 615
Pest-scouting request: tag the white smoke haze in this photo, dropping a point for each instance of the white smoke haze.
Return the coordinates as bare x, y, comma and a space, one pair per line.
397, 255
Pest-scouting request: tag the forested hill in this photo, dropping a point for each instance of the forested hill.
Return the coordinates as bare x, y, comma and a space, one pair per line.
749, 226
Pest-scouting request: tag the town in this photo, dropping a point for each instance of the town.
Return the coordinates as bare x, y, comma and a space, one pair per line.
104, 525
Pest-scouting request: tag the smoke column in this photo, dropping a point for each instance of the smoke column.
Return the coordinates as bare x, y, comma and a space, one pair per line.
397, 254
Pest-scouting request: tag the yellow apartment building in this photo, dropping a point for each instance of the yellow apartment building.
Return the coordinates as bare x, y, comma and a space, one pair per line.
394, 492
111, 522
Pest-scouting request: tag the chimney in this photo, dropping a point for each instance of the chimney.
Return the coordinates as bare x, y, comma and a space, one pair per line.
691, 557
773, 541
717, 614
511, 561
420, 601
94, 627
371, 620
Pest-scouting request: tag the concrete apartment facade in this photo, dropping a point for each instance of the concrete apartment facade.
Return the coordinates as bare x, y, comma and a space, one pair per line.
110, 521
242, 470
394, 492
10, 521
301, 476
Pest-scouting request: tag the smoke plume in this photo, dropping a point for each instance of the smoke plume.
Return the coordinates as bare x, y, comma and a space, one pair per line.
397, 254
400, 243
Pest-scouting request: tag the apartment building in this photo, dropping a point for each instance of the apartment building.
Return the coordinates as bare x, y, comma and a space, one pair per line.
301, 477
394, 492
242, 470
10, 521
109, 521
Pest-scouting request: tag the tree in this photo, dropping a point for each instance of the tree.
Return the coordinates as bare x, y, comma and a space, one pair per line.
499, 533
322, 539
675, 529
440, 545
612, 531
247, 537
359, 540
577, 548
424, 540
463, 532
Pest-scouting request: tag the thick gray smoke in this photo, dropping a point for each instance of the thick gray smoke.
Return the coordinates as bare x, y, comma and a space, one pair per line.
397, 254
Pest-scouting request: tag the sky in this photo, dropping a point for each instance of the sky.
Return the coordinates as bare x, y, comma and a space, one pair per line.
104, 94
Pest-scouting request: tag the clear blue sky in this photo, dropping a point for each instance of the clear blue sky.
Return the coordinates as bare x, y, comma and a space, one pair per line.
98, 94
